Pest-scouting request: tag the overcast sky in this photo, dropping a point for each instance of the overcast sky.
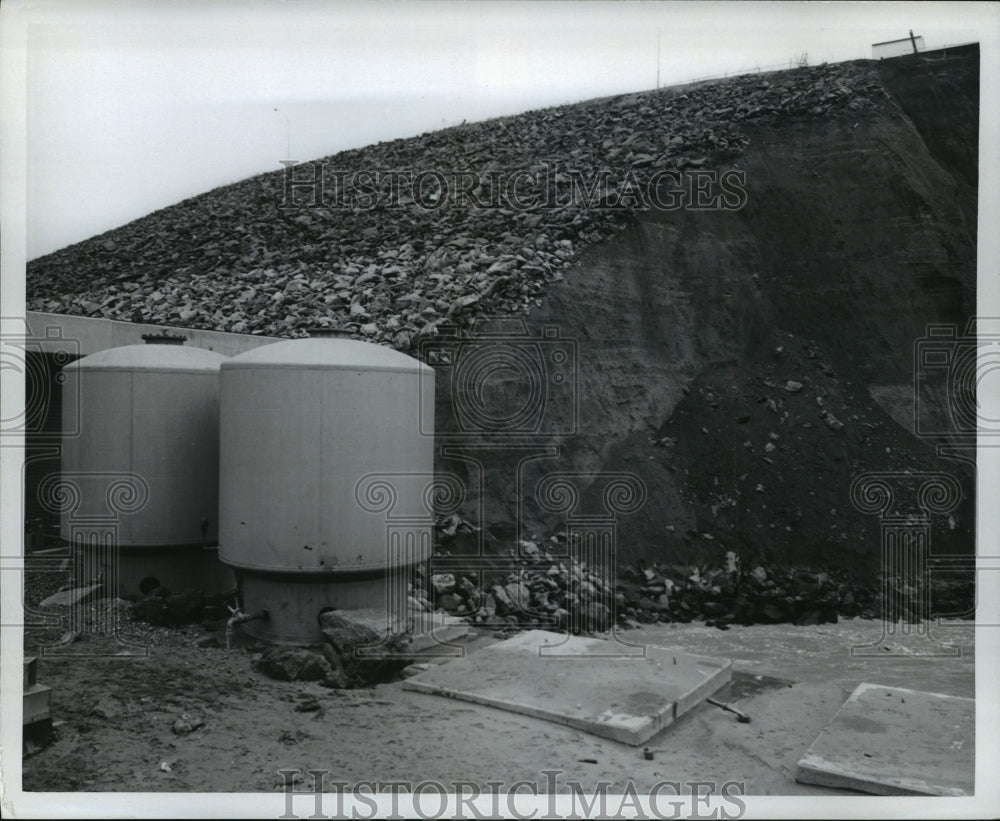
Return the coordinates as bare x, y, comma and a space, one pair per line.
132, 106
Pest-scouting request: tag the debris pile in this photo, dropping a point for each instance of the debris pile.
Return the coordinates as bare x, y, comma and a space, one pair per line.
560, 592
726, 595
552, 589
391, 267
543, 591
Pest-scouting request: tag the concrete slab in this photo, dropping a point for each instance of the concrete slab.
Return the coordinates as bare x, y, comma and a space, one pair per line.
894, 741
624, 699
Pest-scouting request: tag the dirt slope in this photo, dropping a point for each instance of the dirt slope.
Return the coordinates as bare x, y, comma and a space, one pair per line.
854, 237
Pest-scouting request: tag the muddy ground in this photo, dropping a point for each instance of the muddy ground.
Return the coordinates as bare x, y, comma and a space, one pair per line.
115, 715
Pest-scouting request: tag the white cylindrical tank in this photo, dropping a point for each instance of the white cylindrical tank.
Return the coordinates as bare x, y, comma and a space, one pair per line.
140, 454
304, 423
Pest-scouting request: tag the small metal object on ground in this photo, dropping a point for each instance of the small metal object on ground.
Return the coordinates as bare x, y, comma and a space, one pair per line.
741, 717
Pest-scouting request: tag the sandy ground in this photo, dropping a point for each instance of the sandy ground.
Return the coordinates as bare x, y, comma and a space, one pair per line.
252, 728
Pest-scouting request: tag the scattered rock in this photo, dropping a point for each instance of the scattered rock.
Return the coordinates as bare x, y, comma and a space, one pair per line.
108, 707
503, 602
187, 724
449, 602
293, 664
831, 421
443, 583
518, 596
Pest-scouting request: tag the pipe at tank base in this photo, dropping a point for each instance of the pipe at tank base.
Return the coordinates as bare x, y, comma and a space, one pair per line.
295, 600
239, 617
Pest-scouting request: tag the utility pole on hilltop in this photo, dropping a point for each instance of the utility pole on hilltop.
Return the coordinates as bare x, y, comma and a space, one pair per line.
288, 135
913, 41
658, 58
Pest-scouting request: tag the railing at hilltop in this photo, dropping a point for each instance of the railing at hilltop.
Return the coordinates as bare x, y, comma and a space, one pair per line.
801, 62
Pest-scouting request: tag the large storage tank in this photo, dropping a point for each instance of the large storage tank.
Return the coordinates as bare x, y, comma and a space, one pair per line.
140, 456
323, 475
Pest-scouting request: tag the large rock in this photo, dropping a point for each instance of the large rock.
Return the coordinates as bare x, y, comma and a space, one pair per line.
357, 655
488, 606
344, 634
449, 602
293, 664
443, 583
338, 677
108, 707
503, 602
518, 595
